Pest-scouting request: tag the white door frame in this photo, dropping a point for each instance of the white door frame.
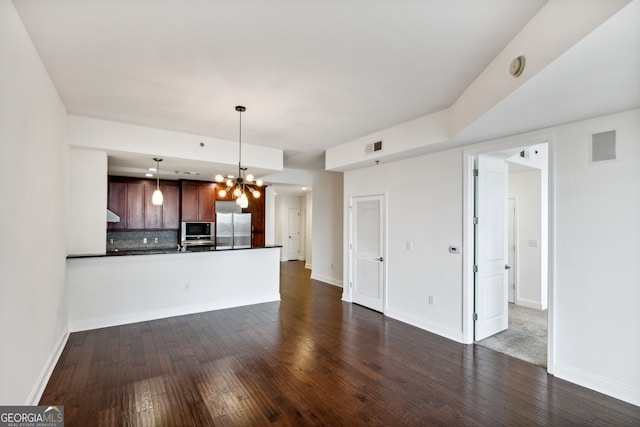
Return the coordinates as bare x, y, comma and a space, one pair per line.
347, 294
516, 236
468, 157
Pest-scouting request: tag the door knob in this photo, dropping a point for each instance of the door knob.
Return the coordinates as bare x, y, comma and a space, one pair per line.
380, 259
507, 267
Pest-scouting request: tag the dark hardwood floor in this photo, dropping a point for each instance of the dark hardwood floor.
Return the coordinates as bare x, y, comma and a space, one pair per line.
307, 360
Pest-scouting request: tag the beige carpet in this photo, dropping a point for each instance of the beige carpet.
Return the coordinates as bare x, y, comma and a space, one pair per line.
526, 337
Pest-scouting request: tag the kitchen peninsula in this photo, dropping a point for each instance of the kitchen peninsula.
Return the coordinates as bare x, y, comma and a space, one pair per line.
120, 288
146, 270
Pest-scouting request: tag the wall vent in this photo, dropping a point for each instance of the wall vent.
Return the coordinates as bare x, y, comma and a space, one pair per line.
603, 146
373, 147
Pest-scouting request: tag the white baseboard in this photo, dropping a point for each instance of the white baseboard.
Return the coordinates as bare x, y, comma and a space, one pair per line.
529, 303
625, 392
38, 388
425, 324
327, 279
143, 316
307, 266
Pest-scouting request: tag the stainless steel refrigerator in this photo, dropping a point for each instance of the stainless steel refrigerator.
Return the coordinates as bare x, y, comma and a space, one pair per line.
233, 230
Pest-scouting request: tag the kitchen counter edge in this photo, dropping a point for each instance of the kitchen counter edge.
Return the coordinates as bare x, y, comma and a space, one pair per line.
163, 252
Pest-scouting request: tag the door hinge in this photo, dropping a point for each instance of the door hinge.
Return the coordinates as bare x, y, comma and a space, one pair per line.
475, 316
475, 268
350, 284
475, 220
475, 172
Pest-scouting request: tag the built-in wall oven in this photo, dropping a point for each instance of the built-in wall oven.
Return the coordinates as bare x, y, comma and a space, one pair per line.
197, 234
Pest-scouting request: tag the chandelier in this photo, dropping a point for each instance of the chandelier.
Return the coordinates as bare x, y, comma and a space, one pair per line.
239, 186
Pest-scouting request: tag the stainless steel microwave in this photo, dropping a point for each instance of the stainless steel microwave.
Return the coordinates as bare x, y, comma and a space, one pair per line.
198, 233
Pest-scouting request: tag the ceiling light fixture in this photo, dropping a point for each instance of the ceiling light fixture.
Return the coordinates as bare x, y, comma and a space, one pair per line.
157, 198
240, 185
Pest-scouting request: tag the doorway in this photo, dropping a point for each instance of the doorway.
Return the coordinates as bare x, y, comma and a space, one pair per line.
502, 248
293, 233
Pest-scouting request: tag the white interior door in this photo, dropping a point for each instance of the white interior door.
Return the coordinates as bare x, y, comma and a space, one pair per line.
491, 248
293, 233
368, 250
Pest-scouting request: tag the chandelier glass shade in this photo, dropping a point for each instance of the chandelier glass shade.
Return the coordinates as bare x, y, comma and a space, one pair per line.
244, 183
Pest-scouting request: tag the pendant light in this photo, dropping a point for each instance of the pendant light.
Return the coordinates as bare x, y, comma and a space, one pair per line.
239, 185
157, 198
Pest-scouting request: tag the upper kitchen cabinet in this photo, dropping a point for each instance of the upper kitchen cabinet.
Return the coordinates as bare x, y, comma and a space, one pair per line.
170, 205
130, 199
198, 201
135, 206
117, 203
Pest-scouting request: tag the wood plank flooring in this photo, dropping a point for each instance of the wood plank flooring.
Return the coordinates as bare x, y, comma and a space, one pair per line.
310, 359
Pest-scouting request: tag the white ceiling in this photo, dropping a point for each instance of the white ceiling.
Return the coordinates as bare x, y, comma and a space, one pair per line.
312, 74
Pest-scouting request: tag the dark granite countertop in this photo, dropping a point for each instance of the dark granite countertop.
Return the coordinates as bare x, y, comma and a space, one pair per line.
159, 251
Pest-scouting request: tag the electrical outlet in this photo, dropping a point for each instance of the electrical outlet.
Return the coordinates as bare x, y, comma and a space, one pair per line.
431, 300
144, 240
155, 240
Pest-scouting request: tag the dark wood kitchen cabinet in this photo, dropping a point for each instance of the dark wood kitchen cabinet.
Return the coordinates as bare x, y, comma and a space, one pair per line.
198, 201
117, 203
152, 213
171, 205
135, 206
130, 199
257, 210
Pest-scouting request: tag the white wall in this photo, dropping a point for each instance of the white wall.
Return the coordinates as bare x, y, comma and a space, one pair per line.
33, 216
326, 244
88, 202
308, 253
596, 292
597, 270
107, 291
270, 216
109, 136
424, 207
526, 186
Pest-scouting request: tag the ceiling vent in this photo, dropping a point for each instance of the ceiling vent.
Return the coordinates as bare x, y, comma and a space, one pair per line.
603, 146
373, 147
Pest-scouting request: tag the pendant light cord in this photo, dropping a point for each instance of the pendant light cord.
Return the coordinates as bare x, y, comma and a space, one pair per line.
240, 147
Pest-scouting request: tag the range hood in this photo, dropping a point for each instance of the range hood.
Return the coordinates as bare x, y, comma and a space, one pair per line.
111, 217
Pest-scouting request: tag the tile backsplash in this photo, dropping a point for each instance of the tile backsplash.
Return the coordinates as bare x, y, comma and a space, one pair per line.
134, 240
